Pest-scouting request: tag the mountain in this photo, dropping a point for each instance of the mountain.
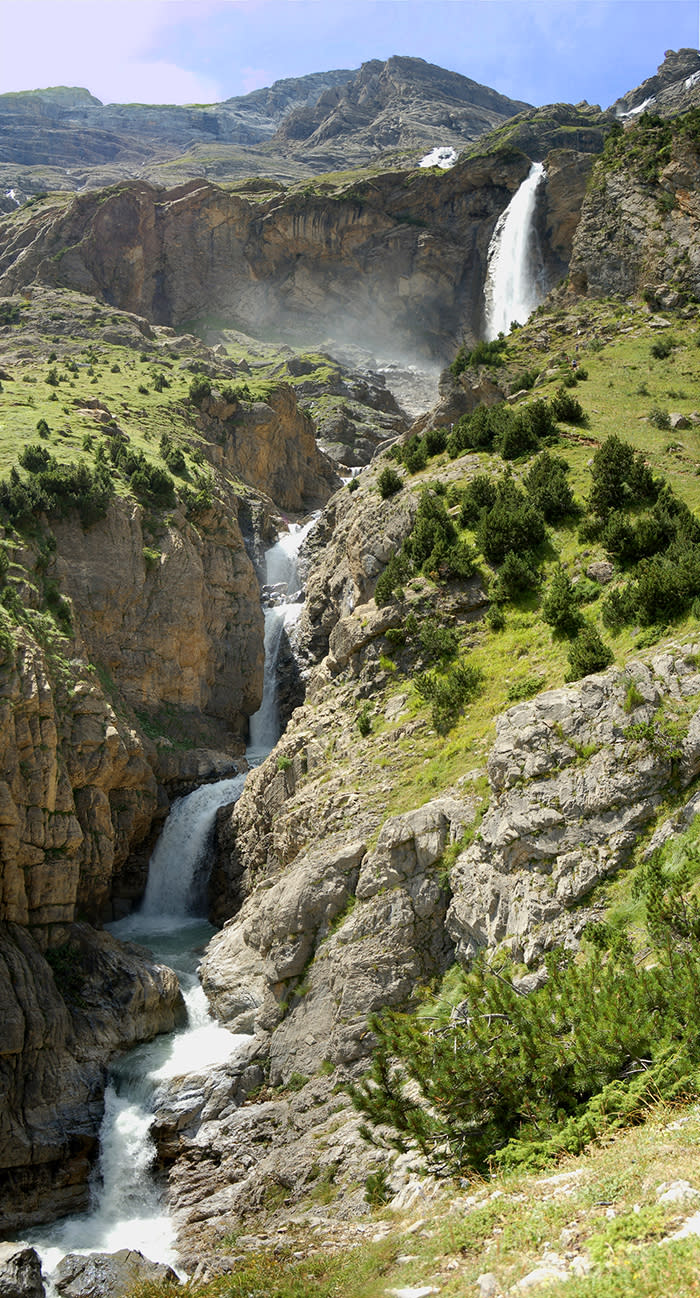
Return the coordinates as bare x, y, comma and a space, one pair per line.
64, 138
479, 822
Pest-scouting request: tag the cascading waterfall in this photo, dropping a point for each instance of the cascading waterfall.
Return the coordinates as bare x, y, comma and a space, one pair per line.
127, 1209
283, 607
514, 275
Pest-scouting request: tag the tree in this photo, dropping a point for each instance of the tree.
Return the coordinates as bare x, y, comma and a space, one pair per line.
560, 608
588, 653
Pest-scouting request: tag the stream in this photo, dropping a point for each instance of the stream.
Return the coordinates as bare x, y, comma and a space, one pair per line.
126, 1203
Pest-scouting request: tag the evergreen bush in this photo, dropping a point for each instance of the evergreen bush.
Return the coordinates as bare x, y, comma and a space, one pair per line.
560, 606
388, 482
490, 1075
547, 487
588, 653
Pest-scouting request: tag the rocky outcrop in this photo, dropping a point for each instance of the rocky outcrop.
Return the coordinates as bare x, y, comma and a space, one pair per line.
575, 778
636, 237
348, 549
183, 630
672, 90
363, 257
271, 445
61, 1024
20, 1272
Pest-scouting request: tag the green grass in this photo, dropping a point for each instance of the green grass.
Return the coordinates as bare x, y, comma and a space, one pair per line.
603, 1209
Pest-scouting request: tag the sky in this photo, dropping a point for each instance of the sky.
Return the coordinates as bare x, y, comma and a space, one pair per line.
205, 51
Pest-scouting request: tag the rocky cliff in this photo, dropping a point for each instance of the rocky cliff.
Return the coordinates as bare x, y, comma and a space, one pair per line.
353, 265
132, 657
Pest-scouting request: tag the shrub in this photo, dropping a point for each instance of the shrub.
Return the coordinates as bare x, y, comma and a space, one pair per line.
439, 643
153, 484
364, 720
659, 418
34, 458
480, 493
450, 693
547, 487
662, 347
620, 478
523, 381
388, 482
42, 428
567, 408
588, 653
435, 440
414, 455
517, 575
432, 534
200, 389
560, 605
391, 579
520, 1079
512, 523
517, 437
484, 353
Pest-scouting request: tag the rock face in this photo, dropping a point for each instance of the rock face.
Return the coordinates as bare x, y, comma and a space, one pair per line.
634, 236
404, 104
20, 1272
365, 257
59, 1029
672, 90
571, 793
185, 630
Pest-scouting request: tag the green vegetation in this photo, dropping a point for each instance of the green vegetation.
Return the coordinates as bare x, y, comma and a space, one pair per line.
516, 1079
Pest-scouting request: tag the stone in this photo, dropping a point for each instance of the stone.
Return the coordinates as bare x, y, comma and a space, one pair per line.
20, 1272
601, 571
488, 1285
108, 1275
676, 1192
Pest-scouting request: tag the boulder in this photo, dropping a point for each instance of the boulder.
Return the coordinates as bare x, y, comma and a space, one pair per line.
20, 1272
108, 1275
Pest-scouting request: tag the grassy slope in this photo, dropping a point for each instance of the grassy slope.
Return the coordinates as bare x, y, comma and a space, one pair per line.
600, 1210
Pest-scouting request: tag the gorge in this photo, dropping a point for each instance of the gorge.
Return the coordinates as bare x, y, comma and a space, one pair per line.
245, 591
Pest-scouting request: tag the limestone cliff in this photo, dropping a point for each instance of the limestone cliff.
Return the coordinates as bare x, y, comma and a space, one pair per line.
355, 264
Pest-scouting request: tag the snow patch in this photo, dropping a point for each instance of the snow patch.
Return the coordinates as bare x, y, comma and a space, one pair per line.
441, 156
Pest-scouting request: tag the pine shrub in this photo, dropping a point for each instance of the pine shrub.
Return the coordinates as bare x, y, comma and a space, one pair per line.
560, 606
512, 1079
588, 653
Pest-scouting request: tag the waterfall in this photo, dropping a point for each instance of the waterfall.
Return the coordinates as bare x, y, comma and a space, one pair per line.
281, 594
126, 1209
514, 274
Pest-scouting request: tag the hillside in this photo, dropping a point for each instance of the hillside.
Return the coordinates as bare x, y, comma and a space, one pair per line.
457, 903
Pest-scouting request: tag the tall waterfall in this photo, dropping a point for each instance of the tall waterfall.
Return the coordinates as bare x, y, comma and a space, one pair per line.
126, 1204
514, 274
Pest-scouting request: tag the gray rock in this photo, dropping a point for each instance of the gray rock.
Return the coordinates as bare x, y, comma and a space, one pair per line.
601, 571
107, 1275
20, 1272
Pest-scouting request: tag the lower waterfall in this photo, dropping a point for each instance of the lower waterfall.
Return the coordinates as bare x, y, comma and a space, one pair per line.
127, 1209
514, 273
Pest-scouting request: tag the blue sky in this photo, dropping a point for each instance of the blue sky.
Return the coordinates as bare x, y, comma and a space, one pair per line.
183, 51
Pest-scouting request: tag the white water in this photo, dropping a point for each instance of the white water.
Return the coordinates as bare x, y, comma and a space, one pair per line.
514, 284
127, 1209
283, 610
